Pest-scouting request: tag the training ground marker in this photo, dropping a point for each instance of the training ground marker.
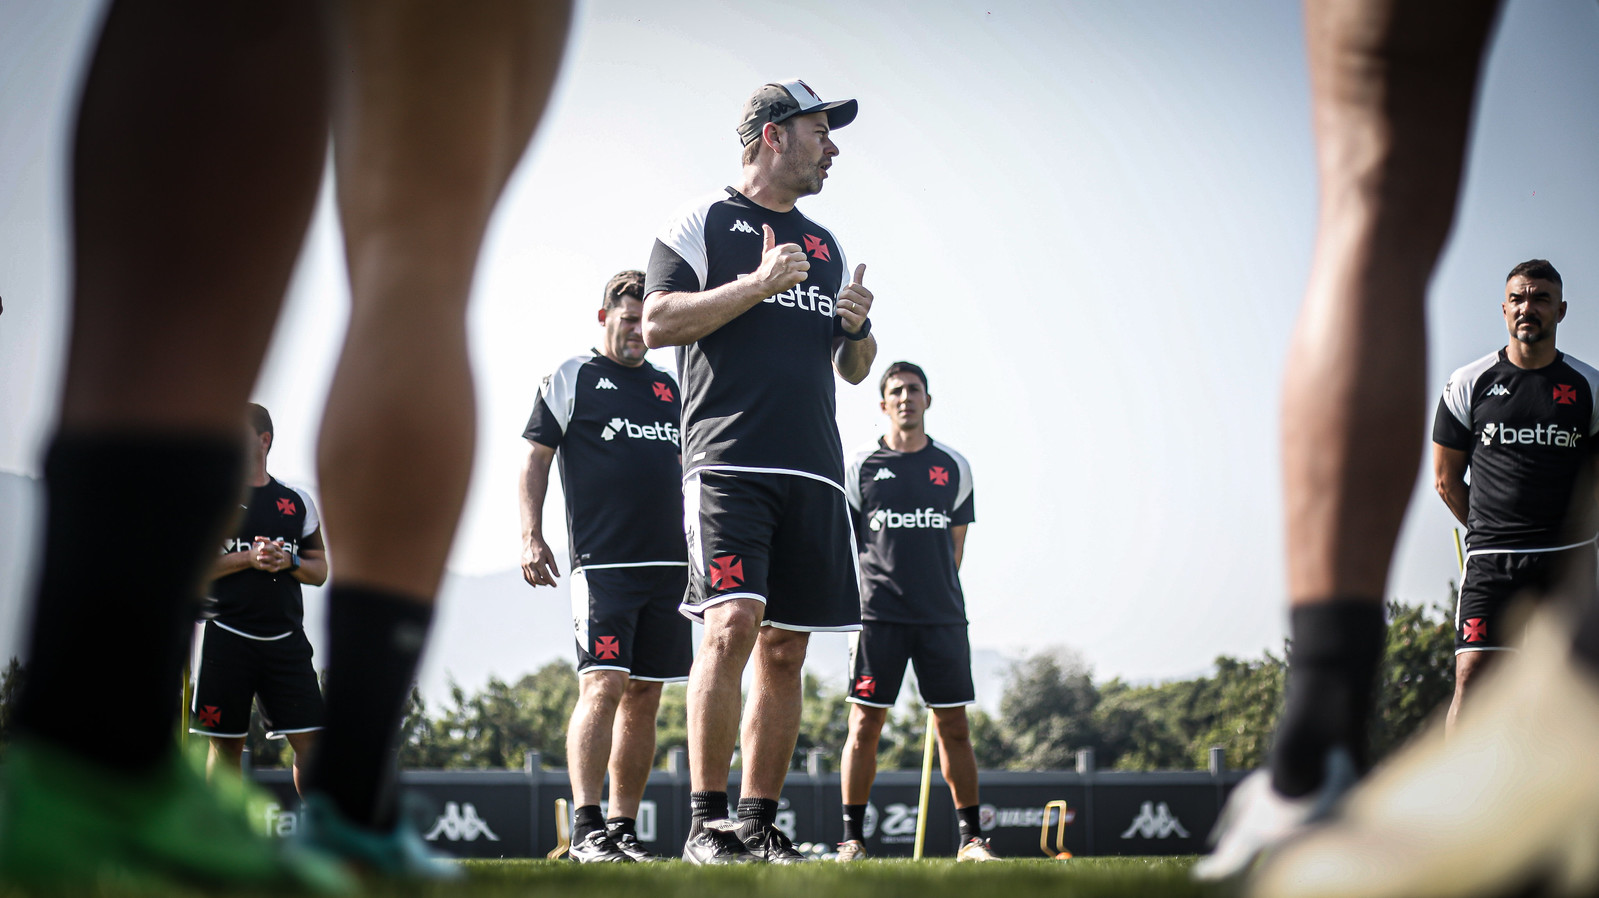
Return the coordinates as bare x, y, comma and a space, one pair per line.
563, 829
1058, 852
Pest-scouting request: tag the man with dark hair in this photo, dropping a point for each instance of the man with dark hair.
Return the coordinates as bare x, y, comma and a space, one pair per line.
253, 645
612, 420
1523, 420
759, 300
912, 500
1504, 805
201, 137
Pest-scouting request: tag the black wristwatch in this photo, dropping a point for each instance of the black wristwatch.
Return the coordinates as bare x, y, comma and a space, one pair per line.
863, 333
294, 563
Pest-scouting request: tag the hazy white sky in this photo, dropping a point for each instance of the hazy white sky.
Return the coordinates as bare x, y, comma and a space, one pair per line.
1090, 223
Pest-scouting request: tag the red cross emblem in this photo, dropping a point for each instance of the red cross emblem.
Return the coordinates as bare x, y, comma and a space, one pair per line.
210, 716
726, 571
1476, 629
938, 475
817, 248
286, 506
662, 391
1565, 394
865, 686
606, 647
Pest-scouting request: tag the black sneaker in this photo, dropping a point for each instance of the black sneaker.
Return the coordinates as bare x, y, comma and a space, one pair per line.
770, 844
597, 848
717, 842
632, 847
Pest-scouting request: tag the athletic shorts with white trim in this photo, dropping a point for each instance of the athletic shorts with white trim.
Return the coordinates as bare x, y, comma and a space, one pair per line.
1494, 580
625, 618
781, 539
941, 654
235, 669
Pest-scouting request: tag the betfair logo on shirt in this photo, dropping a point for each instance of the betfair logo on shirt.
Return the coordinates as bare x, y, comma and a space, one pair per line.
810, 299
664, 431
920, 519
1536, 435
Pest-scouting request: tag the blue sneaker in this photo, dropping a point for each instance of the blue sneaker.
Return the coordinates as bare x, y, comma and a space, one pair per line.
400, 853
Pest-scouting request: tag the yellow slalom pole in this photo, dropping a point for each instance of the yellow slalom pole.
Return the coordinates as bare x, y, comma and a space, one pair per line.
1460, 553
927, 783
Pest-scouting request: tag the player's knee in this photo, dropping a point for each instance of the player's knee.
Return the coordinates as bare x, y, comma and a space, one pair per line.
784, 649
866, 724
1470, 666
953, 727
602, 688
642, 694
733, 624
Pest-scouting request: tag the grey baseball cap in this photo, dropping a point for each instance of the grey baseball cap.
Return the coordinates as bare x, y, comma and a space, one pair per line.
780, 101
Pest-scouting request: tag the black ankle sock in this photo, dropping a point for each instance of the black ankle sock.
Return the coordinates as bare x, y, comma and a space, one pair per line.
705, 807
755, 814
1337, 647
587, 819
123, 620
971, 822
375, 641
1585, 644
854, 822
618, 826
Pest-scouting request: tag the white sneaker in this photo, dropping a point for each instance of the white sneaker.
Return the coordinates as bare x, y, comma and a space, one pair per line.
1258, 818
1510, 802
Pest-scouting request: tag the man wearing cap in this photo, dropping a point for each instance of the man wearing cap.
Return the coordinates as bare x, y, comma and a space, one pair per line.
763, 309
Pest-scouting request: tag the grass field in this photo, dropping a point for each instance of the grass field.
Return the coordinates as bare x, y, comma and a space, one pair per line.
1162, 877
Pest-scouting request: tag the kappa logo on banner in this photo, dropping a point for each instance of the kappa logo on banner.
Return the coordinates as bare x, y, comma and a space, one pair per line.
460, 823
1155, 821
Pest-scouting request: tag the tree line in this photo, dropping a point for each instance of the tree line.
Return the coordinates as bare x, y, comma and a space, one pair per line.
1050, 708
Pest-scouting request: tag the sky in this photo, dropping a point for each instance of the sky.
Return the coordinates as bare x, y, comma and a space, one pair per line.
1089, 222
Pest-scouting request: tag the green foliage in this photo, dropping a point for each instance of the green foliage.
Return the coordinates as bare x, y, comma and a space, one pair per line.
10, 688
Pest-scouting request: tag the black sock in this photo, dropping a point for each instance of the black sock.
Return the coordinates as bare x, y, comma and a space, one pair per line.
123, 623
619, 826
971, 822
854, 822
1585, 644
755, 814
1337, 647
587, 819
375, 641
705, 807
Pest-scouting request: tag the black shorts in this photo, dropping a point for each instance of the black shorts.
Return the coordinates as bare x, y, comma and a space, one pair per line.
626, 618
1493, 580
781, 539
234, 669
941, 654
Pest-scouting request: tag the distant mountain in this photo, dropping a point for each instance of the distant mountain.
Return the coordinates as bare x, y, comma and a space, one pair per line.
487, 625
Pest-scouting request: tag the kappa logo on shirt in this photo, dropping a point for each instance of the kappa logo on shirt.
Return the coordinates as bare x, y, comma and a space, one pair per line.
1498, 390
743, 226
817, 248
286, 506
604, 384
883, 474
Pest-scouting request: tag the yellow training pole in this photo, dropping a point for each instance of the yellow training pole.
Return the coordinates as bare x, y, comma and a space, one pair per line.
1460, 553
927, 783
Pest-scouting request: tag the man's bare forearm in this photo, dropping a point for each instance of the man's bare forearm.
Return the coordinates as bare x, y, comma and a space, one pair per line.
1457, 496
852, 359
678, 319
535, 485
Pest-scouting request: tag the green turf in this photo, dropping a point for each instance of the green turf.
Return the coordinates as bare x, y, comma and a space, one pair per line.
1162, 877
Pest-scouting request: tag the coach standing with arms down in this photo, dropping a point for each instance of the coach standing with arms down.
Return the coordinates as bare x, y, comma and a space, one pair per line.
758, 299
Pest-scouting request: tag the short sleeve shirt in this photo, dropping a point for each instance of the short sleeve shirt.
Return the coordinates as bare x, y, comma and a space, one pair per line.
758, 392
904, 504
1528, 434
616, 435
253, 601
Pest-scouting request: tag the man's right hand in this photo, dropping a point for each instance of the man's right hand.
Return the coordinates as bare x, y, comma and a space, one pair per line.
538, 562
782, 265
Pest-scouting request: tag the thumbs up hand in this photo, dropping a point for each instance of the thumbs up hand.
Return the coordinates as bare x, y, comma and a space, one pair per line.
854, 302
783, 265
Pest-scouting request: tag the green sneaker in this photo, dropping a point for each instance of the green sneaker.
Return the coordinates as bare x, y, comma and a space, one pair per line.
67, 823
400, 853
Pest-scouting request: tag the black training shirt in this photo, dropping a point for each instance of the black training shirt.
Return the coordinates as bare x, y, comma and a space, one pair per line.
1528, 433
255, 602
615, 432
758, 392
904, 504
